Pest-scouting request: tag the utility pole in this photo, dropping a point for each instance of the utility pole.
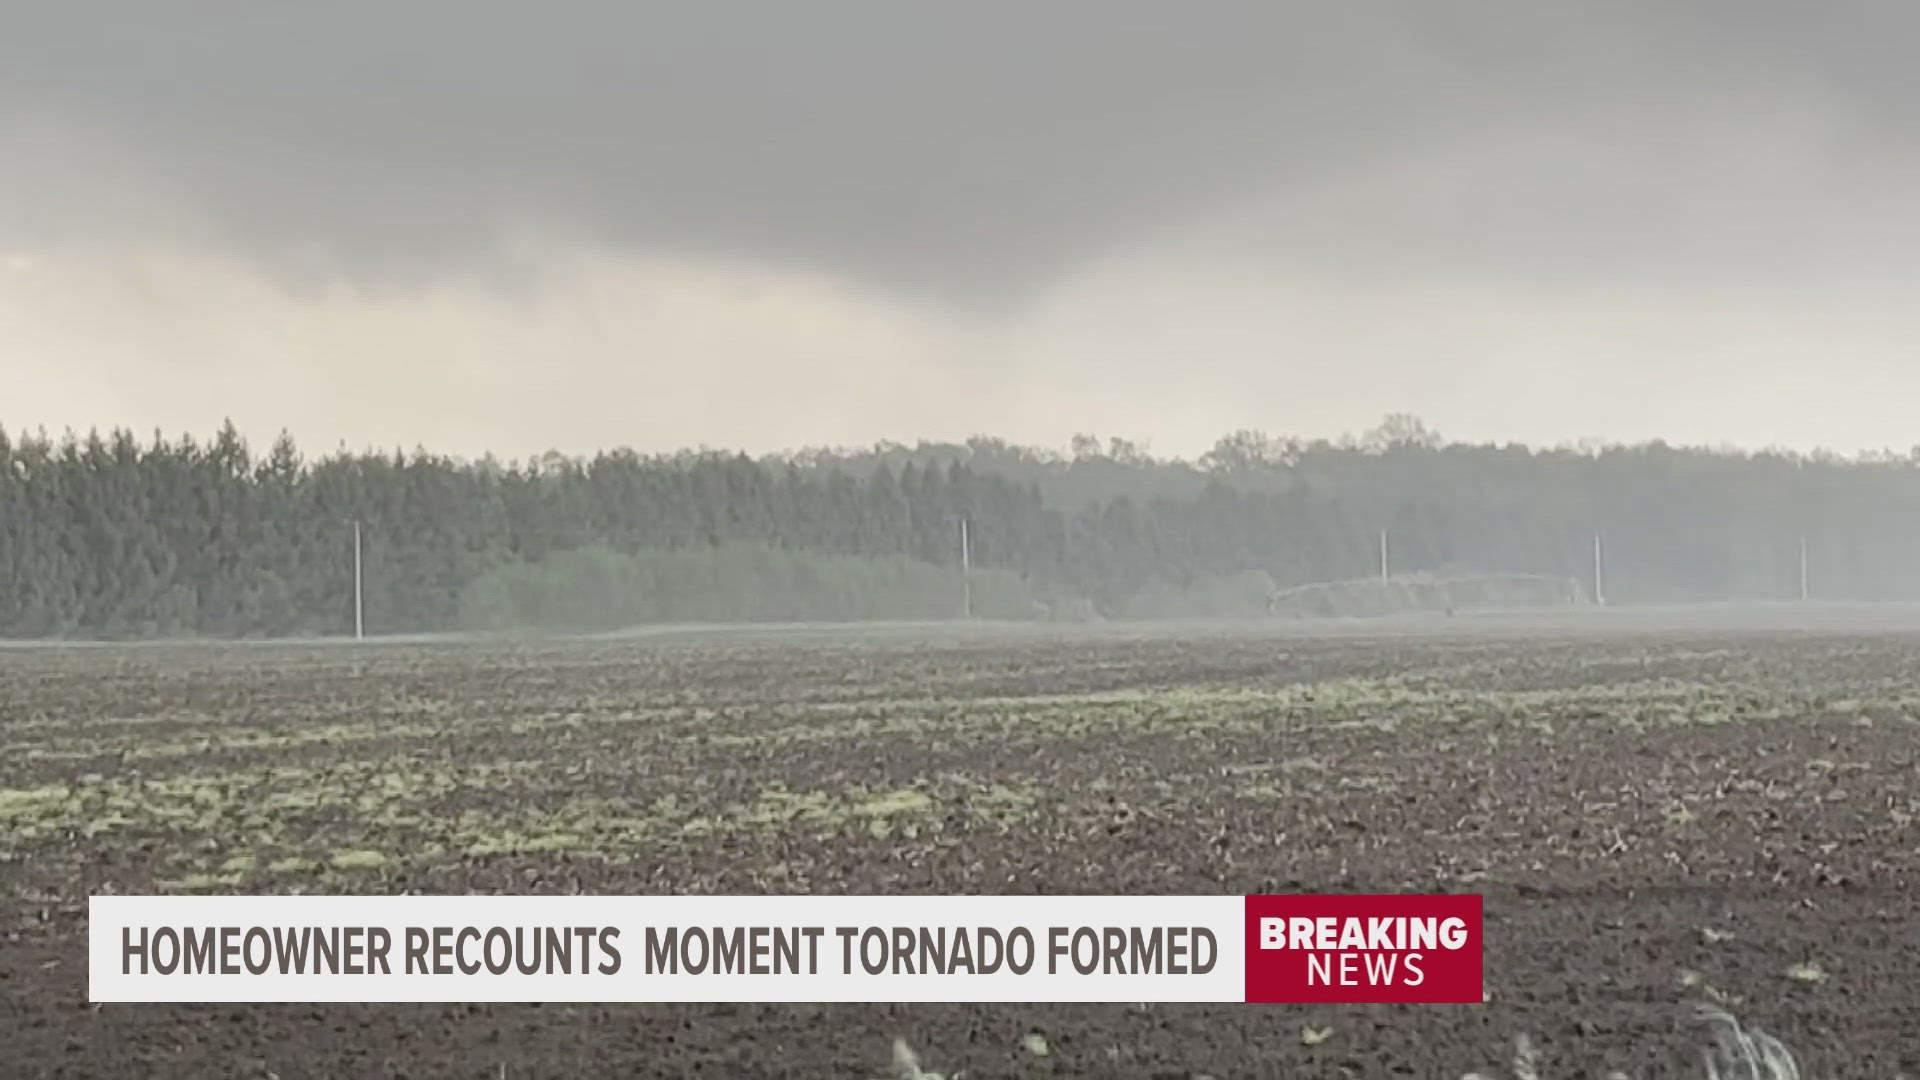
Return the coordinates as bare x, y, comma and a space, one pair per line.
359, 619
1599, 574
1803, 567
966, 571
1384, 576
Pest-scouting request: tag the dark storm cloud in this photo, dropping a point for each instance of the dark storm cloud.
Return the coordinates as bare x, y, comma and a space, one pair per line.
967, 148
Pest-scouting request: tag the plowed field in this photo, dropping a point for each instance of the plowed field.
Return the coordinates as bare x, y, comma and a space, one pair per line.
1655, 819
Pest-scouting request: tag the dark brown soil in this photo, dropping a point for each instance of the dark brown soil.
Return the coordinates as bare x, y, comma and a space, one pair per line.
1614, 797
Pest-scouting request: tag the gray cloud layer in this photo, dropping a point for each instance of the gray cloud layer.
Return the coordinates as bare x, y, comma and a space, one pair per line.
1027, 191
965, 148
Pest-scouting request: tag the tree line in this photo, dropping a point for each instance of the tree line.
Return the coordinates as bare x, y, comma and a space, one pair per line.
114, 535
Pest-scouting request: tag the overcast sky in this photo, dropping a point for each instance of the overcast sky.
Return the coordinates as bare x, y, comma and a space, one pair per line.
514, 226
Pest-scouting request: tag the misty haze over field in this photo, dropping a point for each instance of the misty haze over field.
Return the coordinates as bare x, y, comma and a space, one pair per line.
501, 227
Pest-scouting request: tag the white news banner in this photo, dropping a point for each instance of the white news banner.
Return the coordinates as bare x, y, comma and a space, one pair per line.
629, 949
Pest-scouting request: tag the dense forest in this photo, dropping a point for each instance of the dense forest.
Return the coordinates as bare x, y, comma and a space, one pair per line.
113, 535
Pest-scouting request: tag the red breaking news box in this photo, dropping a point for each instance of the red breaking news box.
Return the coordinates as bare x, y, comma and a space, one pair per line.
1364, 948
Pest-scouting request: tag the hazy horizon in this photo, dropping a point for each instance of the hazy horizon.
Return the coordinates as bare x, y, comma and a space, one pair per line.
260, 437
